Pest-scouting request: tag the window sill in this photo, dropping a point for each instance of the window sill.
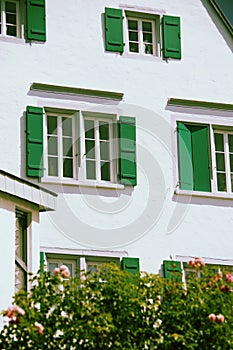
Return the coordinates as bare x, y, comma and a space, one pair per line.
71, 182
139, 56
216, 195
12, 39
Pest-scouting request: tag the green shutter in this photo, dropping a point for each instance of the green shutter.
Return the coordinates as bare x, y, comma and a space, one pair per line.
172, 270
201, 159
127, 151
36, 25
114, 30
34, 141
171, 37
130, 265
185, 157
42, 261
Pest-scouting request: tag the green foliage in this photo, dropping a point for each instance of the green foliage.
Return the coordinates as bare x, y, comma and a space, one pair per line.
112, 309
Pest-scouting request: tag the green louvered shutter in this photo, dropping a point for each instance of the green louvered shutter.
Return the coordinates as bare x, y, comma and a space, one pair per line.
36, 23
114, 30
34, 141
201, 158
42, 261
127, 150
172, 270
130, 265
171, 37
185, 157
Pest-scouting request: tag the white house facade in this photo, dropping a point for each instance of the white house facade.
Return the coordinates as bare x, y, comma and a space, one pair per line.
125, 111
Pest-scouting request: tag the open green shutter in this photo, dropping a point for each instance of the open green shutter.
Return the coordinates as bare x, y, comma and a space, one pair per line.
130, 265
172, 270
171, 37
42, 261
201, 159
185, 157
114, 30
36, 25
34, 141
127, 151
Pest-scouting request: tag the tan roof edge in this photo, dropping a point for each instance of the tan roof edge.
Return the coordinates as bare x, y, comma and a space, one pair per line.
199, 104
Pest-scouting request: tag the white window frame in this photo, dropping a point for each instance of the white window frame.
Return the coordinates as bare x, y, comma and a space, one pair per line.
96, 118
3, 19
59, 135
63, 260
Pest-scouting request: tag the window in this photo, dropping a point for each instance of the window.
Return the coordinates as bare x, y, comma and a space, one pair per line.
21, 251
142, 33
79, 147
70, 261
205, 158
9, 18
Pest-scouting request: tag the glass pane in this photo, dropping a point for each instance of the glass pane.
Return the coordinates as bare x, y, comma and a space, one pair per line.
104, 130
218, 138
52, 145
11, 31
147, 26
10, 6
133, 47
230, 141
70, 267
148, 49
52, 166
221, 181
20, 279
10, 18
67, 147
66, 126
133, 36
90, 149
89, 129
147, 38
231, 182
67, 167
104, 150
21, 237
52, 266
52, 125
105, 171
220, 161
231, 162
90, 169
132, 24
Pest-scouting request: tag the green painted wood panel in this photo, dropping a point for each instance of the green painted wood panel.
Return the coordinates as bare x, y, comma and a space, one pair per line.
36, 21
131, 265
171, 37
114, 30
172, 270
127, 151
34, 141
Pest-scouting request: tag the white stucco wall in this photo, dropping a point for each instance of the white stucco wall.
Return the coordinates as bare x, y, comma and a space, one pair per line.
147, 222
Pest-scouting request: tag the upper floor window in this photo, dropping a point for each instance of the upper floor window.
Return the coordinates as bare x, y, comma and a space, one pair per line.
9, 18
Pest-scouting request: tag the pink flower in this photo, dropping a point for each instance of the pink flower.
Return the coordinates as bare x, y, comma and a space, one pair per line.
229, 277
220, 318
212, 317
65, 272
14, 310
56, 271
39, 327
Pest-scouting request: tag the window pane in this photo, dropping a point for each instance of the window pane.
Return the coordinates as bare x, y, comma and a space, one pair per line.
133, 24
10, 18
90, 149
10, 6
147, 26
52, 145
147, 38
90, 169
220, 161
52, 266
105, 171
89, 129
67, 147
219, 142
221, 180
104, 150
20, 279
11, 31
133, 47
133, 36
66, 126
104, 130
231, 182
52, 166
148, 49
52, 125
67, 167
230, 141
231, 162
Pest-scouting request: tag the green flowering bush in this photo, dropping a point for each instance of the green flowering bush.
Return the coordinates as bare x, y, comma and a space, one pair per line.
112, 309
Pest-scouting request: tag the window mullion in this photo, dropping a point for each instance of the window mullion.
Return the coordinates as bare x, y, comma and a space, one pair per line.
60, 155
3, 18
140, 36
227, 162
97, 151
213, 156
